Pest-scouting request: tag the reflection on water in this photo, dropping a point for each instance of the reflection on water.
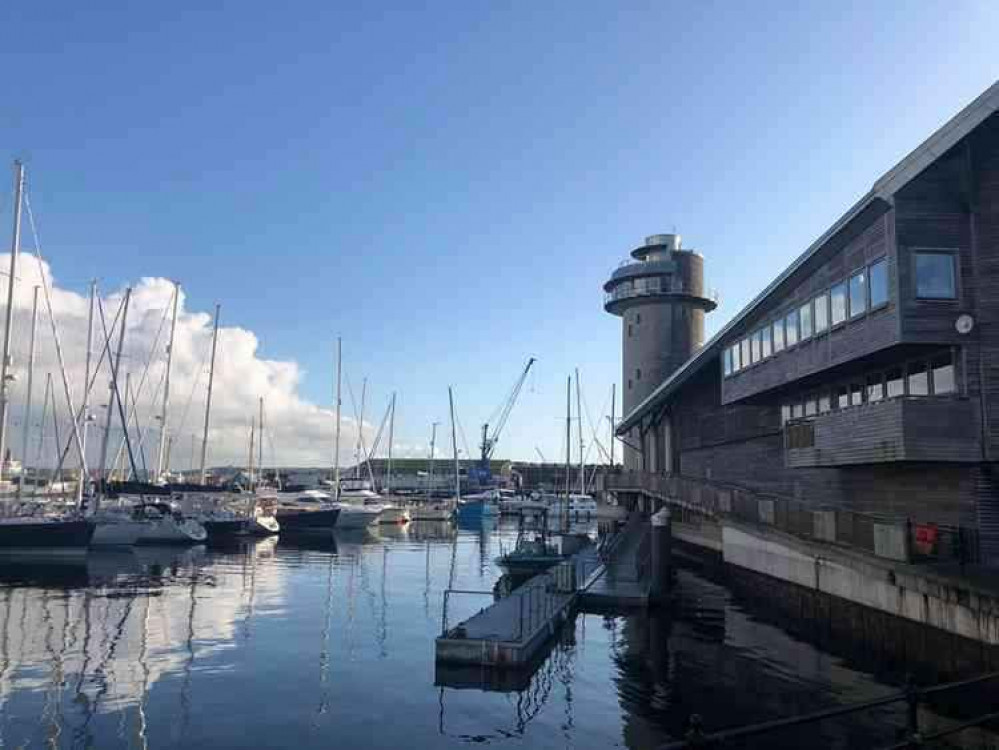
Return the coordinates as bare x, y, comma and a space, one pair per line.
281, 644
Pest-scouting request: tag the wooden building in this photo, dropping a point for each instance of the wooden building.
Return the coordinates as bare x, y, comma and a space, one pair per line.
866, 375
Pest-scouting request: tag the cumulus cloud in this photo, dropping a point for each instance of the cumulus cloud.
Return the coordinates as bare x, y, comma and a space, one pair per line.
298, 433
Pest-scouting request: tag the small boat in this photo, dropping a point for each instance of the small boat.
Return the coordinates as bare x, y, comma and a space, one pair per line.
357, 516
308, 512
228, 523
167, 525
394, 514
479, 505
434, 510
532, 554
24, 533
579, 505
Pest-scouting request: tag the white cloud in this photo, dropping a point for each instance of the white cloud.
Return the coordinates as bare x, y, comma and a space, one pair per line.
298, 432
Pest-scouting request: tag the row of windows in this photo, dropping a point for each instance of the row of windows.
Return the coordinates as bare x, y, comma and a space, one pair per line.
865, 290
934, 376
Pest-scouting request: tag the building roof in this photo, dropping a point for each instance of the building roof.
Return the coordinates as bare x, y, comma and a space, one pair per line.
883, 189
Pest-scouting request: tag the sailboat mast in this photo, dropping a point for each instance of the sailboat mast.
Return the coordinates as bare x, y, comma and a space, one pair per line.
166, 384
388, 479
113, 389
208, 400
568, 438
582, 456
26, 432
260, 442
15, 249
336, 433
253, 428
433, 442
358, 450
85, 411
613, 405
454, 447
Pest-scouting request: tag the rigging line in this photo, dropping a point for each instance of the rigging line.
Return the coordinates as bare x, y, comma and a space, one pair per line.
114, 384
55, 333
194, 384
137, 393
461, 431
593, 430
143, 431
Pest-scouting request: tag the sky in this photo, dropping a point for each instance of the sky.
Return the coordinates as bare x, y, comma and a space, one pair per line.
444, 185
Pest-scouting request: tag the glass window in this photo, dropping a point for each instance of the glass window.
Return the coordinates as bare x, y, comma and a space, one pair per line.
765, 339
746, 359
754, 346
638, 373
798, 410
858, 294
785, 413
842, 397
878, 281
805, 321
943, 374
629, 331
811, 406
727, 361
918, 380
821, 305
856, 394
824, 404
935, 277
638, 317
837, 300
791, 328
875, 388
778, 331
895, 385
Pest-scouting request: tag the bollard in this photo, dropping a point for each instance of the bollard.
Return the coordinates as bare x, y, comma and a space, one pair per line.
661, 557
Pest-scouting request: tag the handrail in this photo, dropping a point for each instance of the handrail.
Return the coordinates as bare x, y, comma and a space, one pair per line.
696, 738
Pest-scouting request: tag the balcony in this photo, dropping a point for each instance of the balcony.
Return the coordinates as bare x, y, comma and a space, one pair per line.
888, 431
658, 286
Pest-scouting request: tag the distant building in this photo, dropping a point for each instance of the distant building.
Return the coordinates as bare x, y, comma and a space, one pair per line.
865, 376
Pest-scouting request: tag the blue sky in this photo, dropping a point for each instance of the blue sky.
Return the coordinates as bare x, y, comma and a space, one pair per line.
447, 185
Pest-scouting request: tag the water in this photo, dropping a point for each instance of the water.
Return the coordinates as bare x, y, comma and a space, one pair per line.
271, 644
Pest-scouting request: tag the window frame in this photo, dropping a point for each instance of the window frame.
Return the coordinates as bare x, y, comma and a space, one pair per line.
783, 342
802, 336
954, 255
833, 324
861, 273
871, 307
824, 298
797, 338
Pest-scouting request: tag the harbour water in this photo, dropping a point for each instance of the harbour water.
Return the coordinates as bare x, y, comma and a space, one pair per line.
272, 644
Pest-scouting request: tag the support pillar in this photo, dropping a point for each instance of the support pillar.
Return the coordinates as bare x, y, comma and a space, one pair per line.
662, 543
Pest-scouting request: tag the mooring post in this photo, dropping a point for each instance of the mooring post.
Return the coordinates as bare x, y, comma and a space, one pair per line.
662, 538
912, 711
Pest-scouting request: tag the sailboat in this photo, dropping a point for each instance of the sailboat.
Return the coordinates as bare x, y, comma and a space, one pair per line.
21, 533
429, 509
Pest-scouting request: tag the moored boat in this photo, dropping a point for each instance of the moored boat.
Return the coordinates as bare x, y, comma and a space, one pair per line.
309, 512
167, 526
31, 532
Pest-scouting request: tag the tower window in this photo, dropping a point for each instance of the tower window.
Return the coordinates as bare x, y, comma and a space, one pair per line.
629, 384
630, 331
638, 317
638, 373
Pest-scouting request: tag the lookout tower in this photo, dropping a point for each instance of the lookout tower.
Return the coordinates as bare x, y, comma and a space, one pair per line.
661, 299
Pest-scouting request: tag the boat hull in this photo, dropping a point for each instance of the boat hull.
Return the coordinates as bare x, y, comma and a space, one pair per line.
118, 533
476, 509
46, 535
171, 532
527, 566
308, 521
357, 518
393, 514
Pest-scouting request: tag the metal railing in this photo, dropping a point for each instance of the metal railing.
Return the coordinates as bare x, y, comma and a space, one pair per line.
912, 695
901, 538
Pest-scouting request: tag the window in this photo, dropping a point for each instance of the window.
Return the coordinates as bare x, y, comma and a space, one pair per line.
736, 359
895, 384
935, 277
842, 397
746, 360
629, 384
630, 332
821, 305
778, 331
811, 406
837, 299
856, 394
785, 413
798, 410
824, 404
858, 294
727, 361
765, 338
805, 320
943, 374
638, 317
791, 328
754, 347
875, 388
878, 282
918, 380
638, 373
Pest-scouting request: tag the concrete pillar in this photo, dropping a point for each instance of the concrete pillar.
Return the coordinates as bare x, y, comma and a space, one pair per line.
661, 568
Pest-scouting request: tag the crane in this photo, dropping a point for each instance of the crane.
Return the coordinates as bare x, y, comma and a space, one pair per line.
502, 413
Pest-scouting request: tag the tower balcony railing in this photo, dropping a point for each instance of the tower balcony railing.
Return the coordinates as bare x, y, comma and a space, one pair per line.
655, 287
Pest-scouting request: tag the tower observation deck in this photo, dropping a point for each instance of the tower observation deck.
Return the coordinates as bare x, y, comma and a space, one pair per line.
660, 296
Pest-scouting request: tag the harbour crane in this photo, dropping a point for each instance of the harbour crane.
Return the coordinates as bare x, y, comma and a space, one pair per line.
502, 413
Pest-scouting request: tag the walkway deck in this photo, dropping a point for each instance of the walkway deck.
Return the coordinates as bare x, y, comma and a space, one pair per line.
623, 581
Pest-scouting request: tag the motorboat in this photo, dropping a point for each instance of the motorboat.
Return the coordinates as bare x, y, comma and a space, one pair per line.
357, 516
359, 493
579, 505
307, 512
167, 525
511, 504
433, 510
479, 505
225, 521
22, 533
